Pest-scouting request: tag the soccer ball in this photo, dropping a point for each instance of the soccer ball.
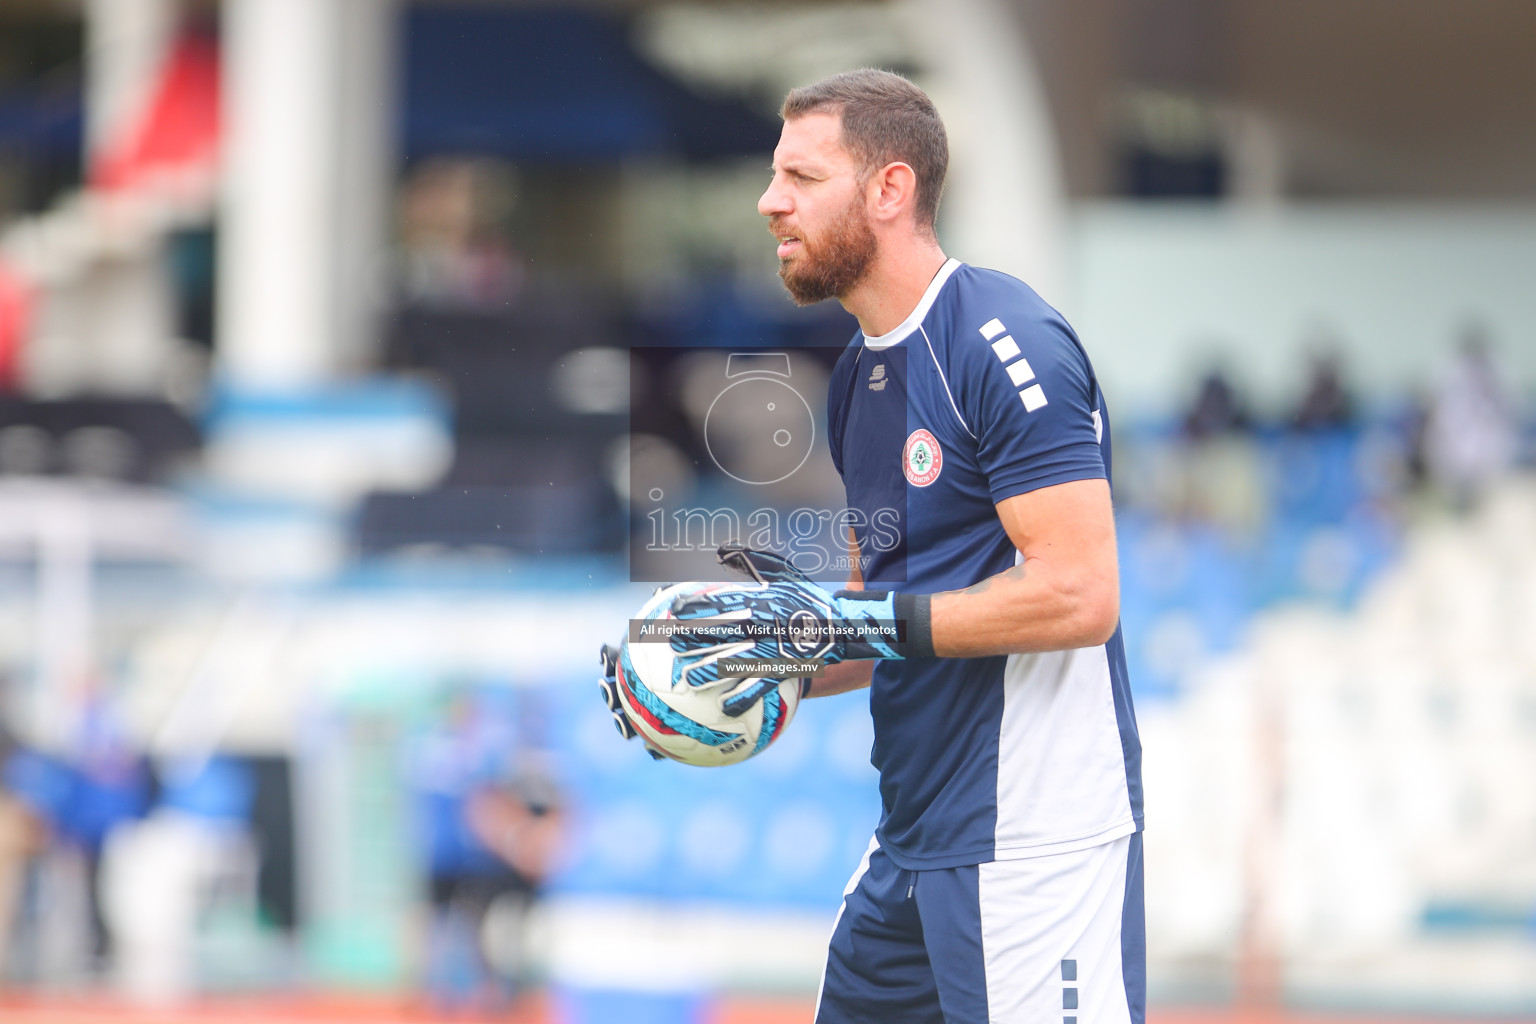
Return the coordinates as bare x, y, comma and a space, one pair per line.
686, 723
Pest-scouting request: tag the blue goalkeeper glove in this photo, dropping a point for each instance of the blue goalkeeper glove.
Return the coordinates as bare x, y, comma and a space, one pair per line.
785, 615
608, 657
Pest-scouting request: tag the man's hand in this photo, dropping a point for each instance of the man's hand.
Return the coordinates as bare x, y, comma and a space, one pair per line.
608, 657
789, 616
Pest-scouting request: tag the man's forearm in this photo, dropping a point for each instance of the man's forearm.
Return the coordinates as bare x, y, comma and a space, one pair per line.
1025, 609
842, 677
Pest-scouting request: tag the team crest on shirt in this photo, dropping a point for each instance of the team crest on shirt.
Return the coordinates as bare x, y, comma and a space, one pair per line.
921, 458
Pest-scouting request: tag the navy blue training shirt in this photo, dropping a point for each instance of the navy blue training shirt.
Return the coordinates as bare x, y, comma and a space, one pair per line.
982, 393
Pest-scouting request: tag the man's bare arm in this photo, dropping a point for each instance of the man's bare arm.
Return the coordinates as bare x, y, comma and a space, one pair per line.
1066, 592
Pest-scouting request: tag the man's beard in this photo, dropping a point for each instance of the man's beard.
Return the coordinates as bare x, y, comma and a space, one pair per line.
836, 264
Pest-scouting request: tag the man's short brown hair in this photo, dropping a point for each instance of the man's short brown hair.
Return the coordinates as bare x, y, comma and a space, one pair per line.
886, 119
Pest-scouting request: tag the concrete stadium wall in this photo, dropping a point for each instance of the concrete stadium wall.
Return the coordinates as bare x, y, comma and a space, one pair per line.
1159, 292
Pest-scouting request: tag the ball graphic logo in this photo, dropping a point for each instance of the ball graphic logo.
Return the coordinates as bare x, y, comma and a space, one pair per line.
921, 458
759, 430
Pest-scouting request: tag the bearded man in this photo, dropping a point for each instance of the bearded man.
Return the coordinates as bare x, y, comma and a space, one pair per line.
1004, 880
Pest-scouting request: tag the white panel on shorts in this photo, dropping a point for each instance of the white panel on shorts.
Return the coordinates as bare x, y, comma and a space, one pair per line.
1061, 768
1039, 912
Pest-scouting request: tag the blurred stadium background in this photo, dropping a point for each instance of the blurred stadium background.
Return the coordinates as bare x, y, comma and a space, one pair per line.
313, 395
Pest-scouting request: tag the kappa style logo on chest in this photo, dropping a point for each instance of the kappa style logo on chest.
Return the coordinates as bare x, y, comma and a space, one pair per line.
921, 458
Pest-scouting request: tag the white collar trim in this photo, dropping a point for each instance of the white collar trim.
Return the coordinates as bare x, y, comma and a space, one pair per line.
919, 313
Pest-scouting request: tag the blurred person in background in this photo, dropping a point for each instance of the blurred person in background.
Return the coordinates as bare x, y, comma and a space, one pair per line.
492, 823
521, 819
1217, 408
453, 230
1218, 473
40, 787
1412, 424
76, 800
23, 836
1327, 403
113, 786
1472, 429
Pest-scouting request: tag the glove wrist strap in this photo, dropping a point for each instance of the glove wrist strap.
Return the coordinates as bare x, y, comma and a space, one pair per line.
913, 615
916, 611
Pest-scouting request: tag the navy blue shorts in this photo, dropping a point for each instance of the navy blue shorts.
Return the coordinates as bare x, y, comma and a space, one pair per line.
1056, 939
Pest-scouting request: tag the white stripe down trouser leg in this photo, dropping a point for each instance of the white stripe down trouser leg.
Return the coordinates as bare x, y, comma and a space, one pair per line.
1051, 936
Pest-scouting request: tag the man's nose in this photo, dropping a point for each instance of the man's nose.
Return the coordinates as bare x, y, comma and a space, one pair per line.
774, 201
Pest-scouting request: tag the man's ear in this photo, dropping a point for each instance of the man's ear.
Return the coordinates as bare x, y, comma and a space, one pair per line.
893, 191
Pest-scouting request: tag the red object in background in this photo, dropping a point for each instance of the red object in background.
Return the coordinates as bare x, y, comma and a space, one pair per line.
15, 316
180, 126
